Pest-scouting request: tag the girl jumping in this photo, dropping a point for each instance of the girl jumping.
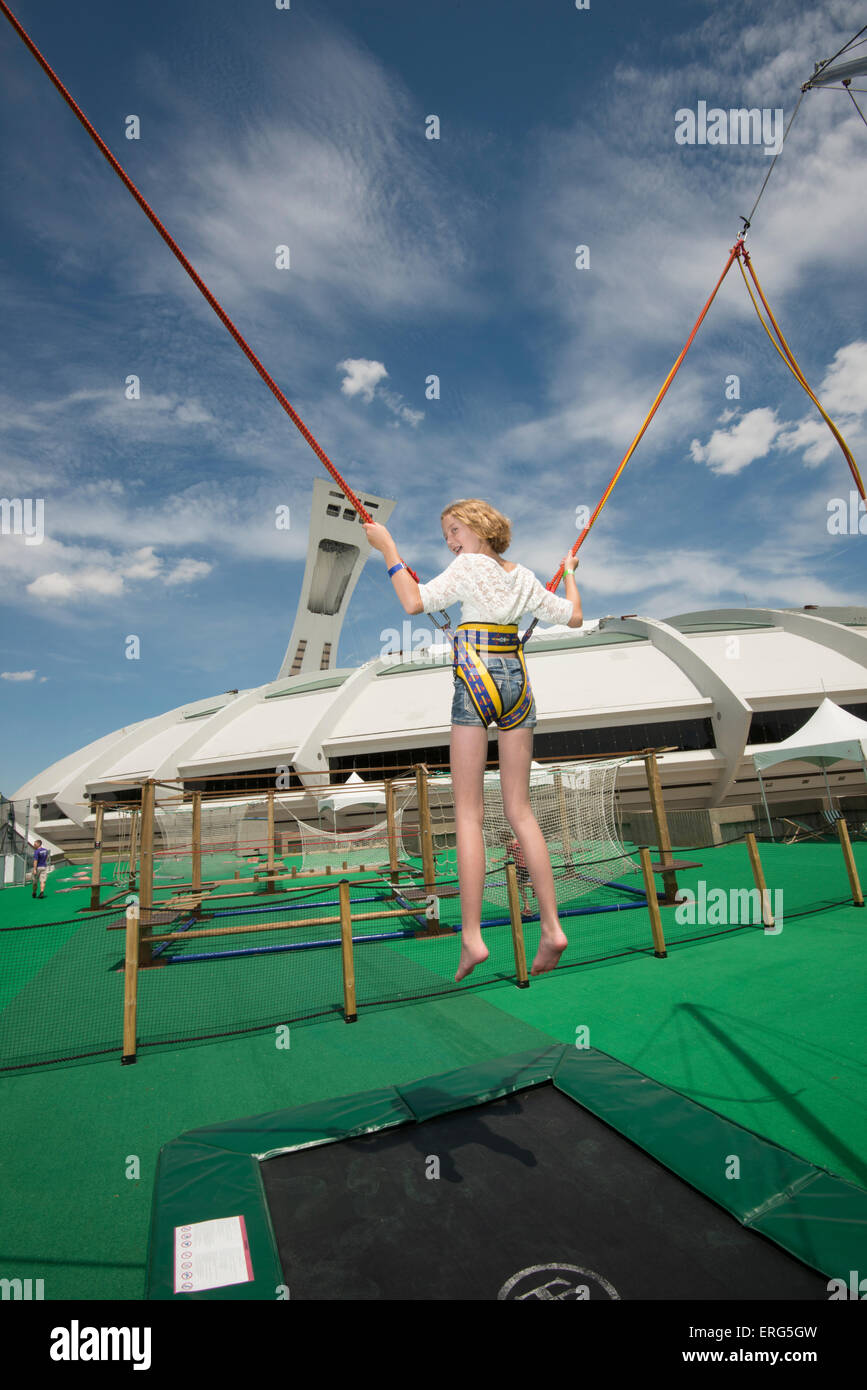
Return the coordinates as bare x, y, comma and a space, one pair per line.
491, 686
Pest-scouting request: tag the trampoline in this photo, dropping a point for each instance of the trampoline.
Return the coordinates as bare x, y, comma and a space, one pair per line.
557, 1174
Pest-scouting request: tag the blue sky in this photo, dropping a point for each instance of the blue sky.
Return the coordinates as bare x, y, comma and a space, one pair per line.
456, 257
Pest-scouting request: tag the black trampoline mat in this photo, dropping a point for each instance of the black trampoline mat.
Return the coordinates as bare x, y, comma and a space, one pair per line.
536, 1199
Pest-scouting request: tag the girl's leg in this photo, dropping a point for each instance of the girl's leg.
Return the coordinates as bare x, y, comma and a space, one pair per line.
516, 752
469, 752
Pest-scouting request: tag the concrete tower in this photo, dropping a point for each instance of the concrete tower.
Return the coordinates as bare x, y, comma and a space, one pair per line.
336, 551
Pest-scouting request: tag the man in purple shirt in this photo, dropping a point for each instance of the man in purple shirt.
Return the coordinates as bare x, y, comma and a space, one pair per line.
40, 867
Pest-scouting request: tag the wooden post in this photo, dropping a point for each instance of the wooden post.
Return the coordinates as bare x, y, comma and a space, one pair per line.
652, 904
393, 870
654, 787
424, 830
130, 983
350, 1007
197, 842
517, 926
759, 879
272, 867
851, 868
564, 818
96, 868
146, 890
132, 876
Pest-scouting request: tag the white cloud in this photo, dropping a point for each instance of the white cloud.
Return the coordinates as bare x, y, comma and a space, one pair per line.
187, 570
97, 580
18, 675
145, 565
394, 403
811, 437
361, 377
88, 573
844, 387
843, 393
733, 449
52, 586
155, 414
227, 516
193, 413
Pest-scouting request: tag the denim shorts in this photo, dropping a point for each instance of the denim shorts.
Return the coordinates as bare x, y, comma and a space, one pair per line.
508, 677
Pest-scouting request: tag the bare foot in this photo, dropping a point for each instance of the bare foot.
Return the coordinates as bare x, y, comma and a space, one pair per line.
552, 944
471, 956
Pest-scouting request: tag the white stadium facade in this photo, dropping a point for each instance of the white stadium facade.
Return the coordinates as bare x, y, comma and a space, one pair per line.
712, 687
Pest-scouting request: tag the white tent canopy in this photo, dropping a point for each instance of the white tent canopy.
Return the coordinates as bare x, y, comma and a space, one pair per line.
828, 736
355, 792
831, 735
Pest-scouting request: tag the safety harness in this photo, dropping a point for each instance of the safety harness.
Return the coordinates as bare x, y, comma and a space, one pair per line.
473, 643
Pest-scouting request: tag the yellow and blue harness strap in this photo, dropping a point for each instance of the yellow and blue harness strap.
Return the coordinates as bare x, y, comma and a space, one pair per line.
495, 639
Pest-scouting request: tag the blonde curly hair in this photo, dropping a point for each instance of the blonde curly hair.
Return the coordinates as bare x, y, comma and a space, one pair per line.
488, 524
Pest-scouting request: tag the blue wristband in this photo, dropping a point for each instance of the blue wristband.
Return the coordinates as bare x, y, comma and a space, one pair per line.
394, 569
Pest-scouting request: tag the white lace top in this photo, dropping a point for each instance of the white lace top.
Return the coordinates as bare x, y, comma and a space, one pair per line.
491, 594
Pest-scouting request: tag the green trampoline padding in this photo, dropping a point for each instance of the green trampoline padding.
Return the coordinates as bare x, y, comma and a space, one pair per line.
215, 1171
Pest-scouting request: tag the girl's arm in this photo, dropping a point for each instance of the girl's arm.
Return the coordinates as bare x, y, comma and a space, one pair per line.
571, 591
404, 585
548, 607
